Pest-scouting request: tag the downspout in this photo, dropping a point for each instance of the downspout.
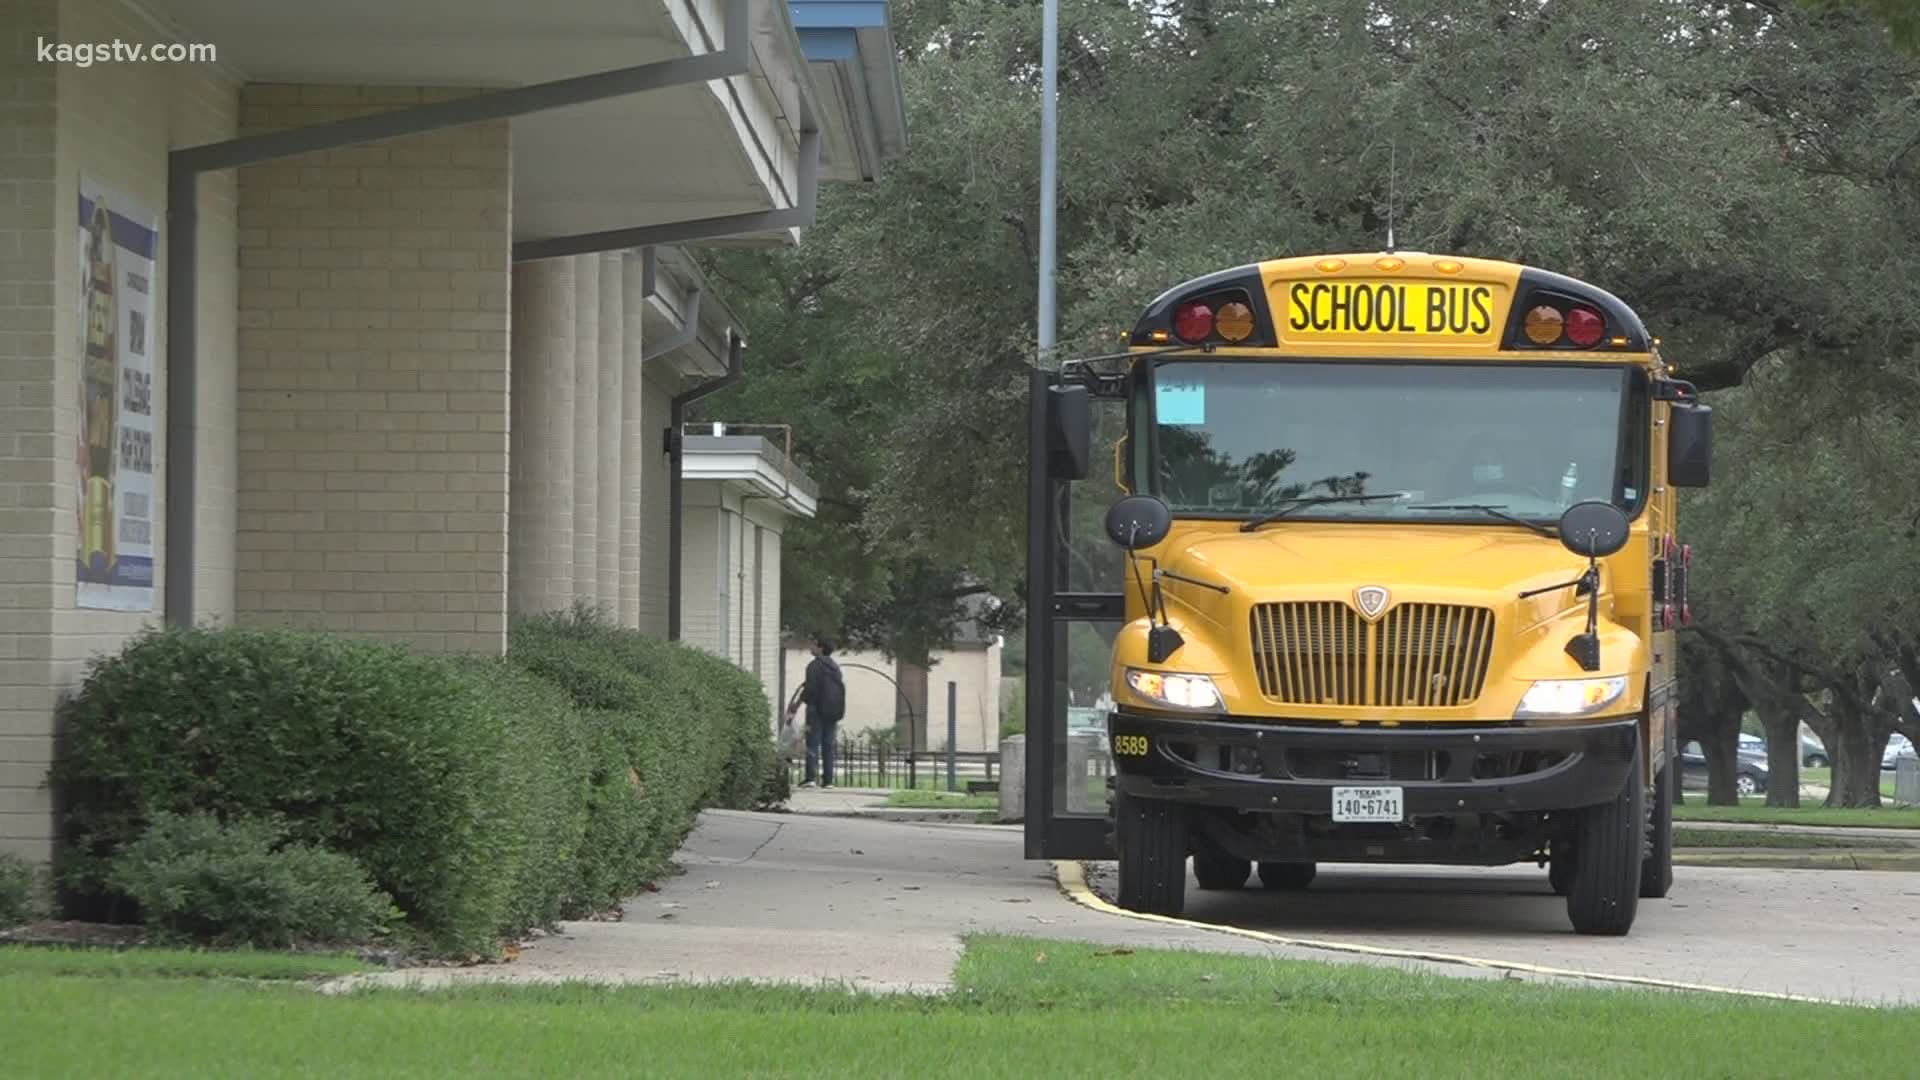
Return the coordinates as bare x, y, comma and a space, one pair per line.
676, 448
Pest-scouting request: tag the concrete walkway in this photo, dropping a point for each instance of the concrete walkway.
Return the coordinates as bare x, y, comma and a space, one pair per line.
825, 900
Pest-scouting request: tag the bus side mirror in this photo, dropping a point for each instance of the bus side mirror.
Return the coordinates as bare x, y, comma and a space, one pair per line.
1139, 521
1690, 445
1594, 530
1069, 432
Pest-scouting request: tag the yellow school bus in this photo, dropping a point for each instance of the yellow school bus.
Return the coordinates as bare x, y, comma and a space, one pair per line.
1400, 579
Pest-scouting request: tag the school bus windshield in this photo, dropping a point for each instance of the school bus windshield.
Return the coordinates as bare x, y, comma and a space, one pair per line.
1233, 438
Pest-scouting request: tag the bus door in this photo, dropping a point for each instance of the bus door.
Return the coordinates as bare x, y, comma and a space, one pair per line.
1075, 607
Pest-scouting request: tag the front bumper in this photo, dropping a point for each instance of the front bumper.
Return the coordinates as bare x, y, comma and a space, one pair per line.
1441, 769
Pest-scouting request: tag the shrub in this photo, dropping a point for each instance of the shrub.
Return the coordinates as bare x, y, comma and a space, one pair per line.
484, 796
672, 730
19, 890
200, 881
395, 758
776, 789
547, 777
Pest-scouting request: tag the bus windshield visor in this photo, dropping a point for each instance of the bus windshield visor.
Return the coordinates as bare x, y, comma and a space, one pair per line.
1409, 442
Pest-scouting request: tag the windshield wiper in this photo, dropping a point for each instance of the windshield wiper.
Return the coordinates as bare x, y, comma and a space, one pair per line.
1492, 511
1288, 506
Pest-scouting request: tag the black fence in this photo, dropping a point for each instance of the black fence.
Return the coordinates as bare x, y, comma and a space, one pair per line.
861, 761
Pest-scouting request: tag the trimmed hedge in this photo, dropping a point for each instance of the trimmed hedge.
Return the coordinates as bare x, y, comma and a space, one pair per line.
395, 758
672, 730
19, 890
485, 796
200, 881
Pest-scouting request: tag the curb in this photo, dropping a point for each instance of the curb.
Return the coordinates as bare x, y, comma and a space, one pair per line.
1071, 878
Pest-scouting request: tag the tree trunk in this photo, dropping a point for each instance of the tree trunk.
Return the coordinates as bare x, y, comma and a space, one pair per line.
1782, 725
1856, 765
1721, 745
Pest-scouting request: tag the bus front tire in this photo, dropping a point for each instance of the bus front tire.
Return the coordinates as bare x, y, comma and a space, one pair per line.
1219, 872
1151, 837
1608, 849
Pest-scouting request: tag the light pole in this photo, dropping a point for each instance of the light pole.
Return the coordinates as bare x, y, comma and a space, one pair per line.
1049, 164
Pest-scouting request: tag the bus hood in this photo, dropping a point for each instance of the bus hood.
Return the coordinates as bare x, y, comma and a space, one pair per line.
1451, 563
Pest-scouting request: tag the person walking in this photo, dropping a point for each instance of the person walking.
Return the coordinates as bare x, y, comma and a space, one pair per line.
824, 693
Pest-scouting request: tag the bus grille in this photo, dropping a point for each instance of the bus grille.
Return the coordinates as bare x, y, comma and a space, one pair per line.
1431, 656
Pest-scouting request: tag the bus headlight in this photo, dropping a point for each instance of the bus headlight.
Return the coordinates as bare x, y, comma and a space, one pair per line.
1570, 697
1175, 689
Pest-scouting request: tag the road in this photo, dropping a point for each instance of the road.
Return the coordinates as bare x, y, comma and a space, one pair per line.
1838, 935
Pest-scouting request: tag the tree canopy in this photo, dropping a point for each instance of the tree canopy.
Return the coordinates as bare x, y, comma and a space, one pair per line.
1745, 174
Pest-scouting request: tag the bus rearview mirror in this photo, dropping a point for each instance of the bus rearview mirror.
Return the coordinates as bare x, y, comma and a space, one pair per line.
1069, 432
1690, 445
1594, 530
1139, 521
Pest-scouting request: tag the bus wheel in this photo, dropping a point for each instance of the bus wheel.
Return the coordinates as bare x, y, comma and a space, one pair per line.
1656, 874
1220, 871
1609, 842
1151, 837
1560, 867
1287, 875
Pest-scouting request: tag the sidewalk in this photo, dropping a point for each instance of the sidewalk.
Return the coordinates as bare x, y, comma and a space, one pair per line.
871, 803
811, 899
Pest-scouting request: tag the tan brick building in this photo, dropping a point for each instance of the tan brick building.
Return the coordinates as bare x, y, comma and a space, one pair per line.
323, 317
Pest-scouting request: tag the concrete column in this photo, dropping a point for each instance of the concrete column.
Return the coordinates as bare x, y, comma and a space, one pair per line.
586, 424
609, 434
540, 545
633, 445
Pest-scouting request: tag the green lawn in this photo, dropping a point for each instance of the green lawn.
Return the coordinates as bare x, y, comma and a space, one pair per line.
1741, 838
1824, 778
1756, 811
911, 799
17, 961
1022, 1007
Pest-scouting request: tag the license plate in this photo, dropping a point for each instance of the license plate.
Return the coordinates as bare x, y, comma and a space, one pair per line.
1368, 804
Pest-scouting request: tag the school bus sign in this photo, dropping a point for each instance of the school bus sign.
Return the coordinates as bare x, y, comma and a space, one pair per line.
1391, 310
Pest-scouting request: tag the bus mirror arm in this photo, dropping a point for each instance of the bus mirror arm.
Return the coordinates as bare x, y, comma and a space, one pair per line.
1585, 648
1162, 639
1170, 575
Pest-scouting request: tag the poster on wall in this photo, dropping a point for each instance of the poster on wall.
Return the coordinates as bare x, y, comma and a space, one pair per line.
119, 242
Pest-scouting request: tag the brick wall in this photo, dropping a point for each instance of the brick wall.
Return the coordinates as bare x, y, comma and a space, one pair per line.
115, 123
373, 376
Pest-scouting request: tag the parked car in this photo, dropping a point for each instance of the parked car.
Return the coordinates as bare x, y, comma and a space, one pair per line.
1813, 753
1752, 744
1898, 747
1750, 775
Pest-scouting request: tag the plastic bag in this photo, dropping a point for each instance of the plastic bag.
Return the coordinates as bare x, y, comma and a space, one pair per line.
793, 741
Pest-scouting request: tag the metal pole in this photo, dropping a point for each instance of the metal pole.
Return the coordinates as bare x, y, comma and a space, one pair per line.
953, 731
1049, 162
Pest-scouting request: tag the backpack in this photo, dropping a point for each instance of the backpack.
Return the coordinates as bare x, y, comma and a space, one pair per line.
833, 692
